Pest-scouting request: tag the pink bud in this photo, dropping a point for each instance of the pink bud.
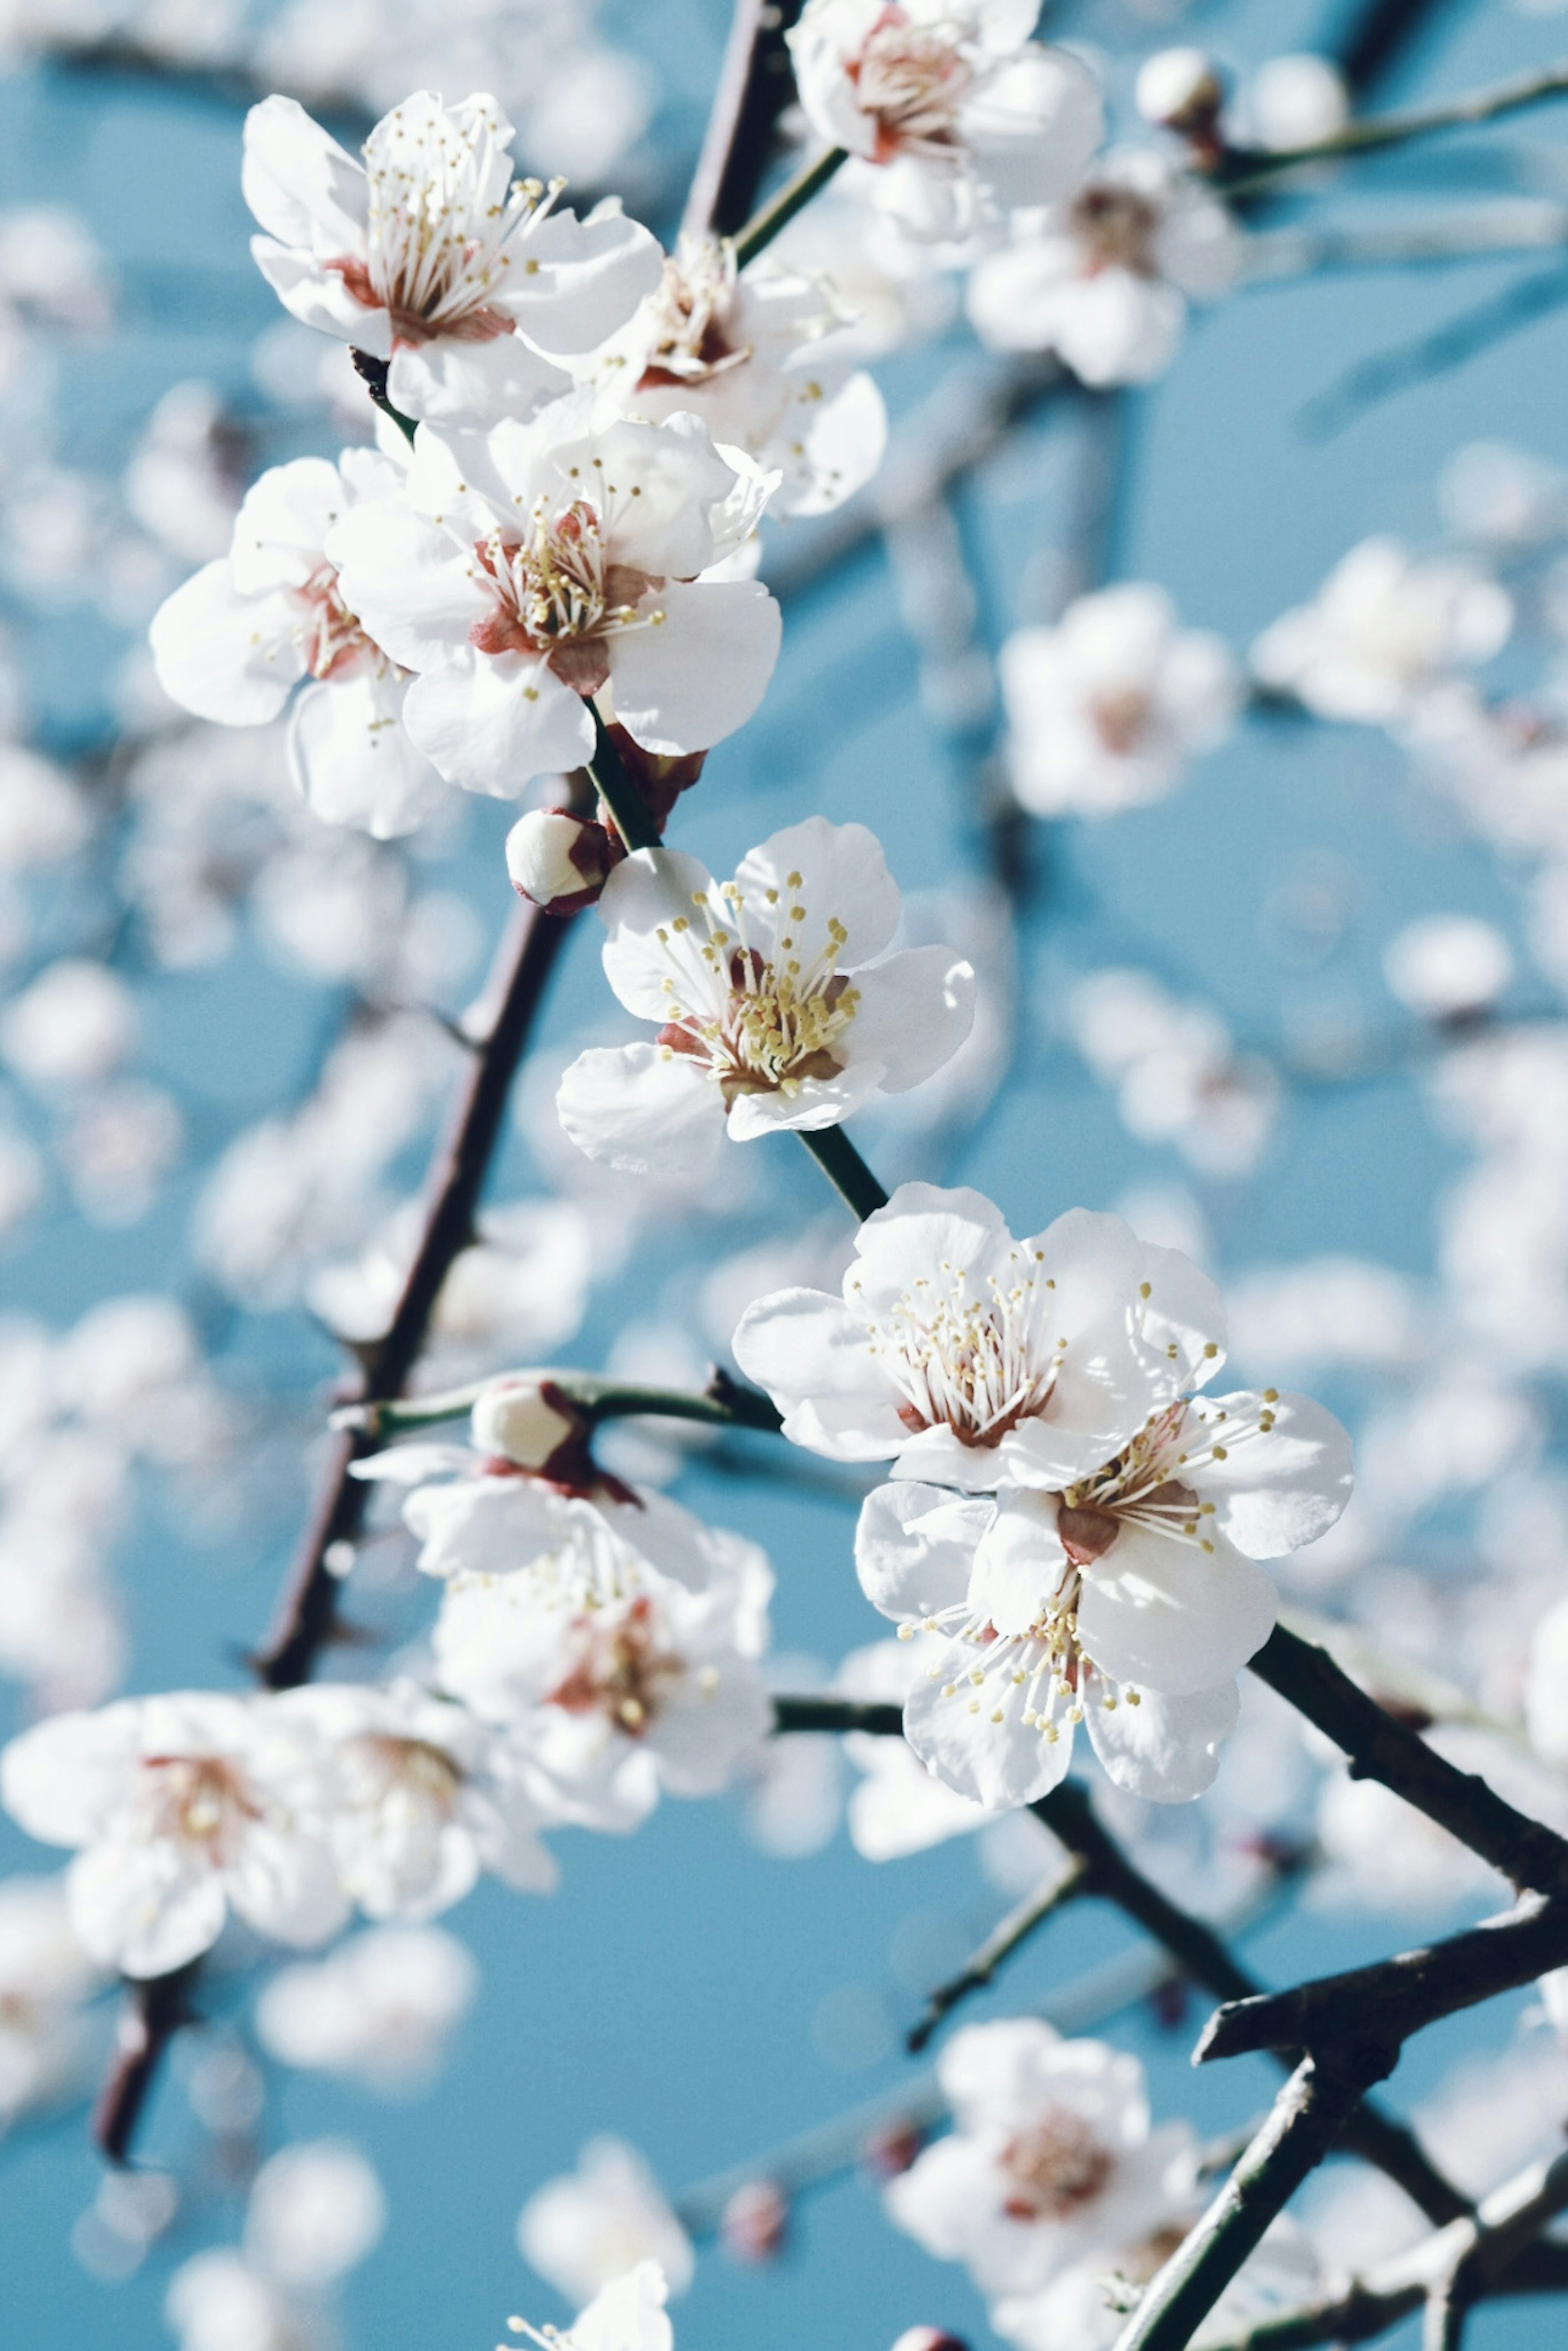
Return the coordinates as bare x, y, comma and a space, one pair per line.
755, 2222
929, 2338
892, 2149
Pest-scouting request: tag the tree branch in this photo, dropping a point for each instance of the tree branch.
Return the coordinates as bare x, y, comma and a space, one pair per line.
150, 2014
724, 1403
755, 87
1308, 2116
884, 1722
1242, 172
1000, 1944
1527, 1853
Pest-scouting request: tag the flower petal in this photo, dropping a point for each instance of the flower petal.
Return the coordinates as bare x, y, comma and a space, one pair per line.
1166, 1616
999, 1764
412, 586
914, 1547
915, 1011
227, 657
494, 722
1280, 1487
1164, 1748
684, 684
300, 183
644, 1109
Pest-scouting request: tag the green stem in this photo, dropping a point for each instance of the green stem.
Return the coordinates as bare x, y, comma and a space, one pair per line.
1239, 174
846, 1170
728, 1405
613, 783
762, 227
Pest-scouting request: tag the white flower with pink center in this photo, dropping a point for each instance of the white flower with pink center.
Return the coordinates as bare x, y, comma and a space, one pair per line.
776, 1003
1052, 2158
1104, 278
527, 572
1385, 628
960, 111
421, 1800
232, 643
611, 1680
430, 256
183, 1807
758, 356
1105, 709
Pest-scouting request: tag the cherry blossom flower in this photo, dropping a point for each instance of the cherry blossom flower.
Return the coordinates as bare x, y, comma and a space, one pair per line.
773, 1010
45, 1979
1052, 2158
613, 1682
184, 1806
527, 572
1106, 708
232, 642
1385, 627
380, 2008
1104, 278
584, 2230
417, 1805
627, 2314
758, 356
431, 256
962, 112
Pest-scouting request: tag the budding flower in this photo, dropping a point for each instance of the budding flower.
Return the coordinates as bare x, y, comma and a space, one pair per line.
756, 2222
526, 1420
929, 2338
1183, 90
558, 860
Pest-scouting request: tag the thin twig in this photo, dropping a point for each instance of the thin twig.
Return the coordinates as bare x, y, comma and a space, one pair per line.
1308, 2116
724, 1403
1526, 1851
150, 2014
1239, 173
1013, 1932
759, 232
882, 1720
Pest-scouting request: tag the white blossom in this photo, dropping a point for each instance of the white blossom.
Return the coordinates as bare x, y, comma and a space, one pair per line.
760, 356
1106, 708
71, 1026
431, 256
184, 1806
775, 1009
1385, 627
418, 1800
232, 642
380, 2008
626, 2314
1446, 967
1104, 278
1052, 2158
586, 2229
525, 572
315, 2211
960, 111
45, 1977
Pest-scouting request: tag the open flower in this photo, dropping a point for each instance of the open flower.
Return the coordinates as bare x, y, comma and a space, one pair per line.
525, 571
772, 1011
1104, 279
962, 111
755, 355
430, 256
627, 2314
1105, 709
973, 1359
417, 1805
236, 640
611, 1679
183, 1806
1383, 628
1051, 2159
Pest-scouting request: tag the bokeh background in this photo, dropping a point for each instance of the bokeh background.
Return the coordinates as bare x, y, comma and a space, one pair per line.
702, 1997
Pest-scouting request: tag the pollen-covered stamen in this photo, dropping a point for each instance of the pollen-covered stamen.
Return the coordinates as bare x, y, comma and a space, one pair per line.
977, 1363
694, 316
761, 1019
199, 1800
624, 1671
378, 1767
1044, 1674
329, 635
912, 80
1116, 228
560, 593
1058, 2164
436, 240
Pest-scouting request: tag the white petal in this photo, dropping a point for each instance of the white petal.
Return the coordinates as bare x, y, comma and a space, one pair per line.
300, 183
998, 1764
915, 1010
318, 298
1166, 1749
1163, 1614
644, 1109
281, 528
914, 1547
646, 892
352, 758
810, 1354
1020, 1564
582, 279
450, 382
1277, 1488
227, 657
1034, 127
494, 722
687, 683
410, 584
842, 873
138, 1907
63, 1779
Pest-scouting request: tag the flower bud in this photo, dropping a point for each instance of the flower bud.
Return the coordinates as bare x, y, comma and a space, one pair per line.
1182, 90
929, 2338
755, 2222
558, 860
525, 1420
892, 2148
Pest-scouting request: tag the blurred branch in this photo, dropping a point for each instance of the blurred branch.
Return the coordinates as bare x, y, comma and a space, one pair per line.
1426, 356
812, 1713
1000, 1944
1476, 233
1242, 172
1309, 2116
150, 2014
1525, 1851
755, 87
1371, 43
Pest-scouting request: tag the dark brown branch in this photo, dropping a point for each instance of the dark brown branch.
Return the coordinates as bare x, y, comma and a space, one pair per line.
755, 87
1527, 1853
150, 2015
1395, 1997
1004, 1940
1308, 2116
884, 1722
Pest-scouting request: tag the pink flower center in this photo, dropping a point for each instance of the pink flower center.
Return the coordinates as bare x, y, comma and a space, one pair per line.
560, 593
912, 83
196, 1799
622, 1671
693, 319
330, 636
1057, 2168
1121, 718
1116, 229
